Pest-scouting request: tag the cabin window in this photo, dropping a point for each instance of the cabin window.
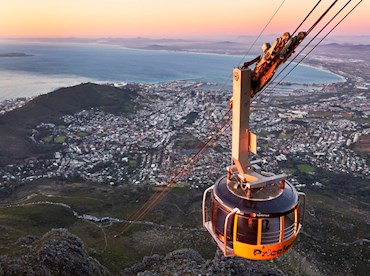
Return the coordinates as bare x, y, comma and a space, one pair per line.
270, 230
289, 225
300, 210
247, 230
218, 220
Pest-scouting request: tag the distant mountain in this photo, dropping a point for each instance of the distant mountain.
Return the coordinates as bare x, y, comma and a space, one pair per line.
16, 126
347, 46
356, 45
15, 55
235, 45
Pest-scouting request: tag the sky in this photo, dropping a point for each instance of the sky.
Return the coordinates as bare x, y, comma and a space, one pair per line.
166, 18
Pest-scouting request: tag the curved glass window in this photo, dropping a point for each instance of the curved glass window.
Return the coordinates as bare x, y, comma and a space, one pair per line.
270, 230
247, 230
218, 220
289, 225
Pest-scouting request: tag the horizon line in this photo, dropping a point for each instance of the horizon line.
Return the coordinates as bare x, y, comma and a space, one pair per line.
159, 36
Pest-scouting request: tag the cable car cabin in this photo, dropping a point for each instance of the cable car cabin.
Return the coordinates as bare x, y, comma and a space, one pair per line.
257, 223
250, 213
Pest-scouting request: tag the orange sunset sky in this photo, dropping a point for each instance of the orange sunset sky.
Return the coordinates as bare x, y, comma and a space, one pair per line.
166, 18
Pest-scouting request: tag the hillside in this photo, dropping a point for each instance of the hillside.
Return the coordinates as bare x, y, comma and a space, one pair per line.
17, 126
58, 250
35, 197
61, 251
190, 262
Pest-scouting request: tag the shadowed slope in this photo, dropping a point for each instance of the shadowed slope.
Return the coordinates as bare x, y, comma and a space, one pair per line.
16, 126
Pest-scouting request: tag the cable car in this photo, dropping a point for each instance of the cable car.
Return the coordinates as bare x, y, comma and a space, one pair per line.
248, 212
257, 223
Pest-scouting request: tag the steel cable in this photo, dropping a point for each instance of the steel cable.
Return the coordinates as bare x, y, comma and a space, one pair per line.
259, 98
154, 198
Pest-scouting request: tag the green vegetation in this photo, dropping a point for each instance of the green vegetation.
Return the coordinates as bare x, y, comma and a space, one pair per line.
83, 133
285, 136
306, 168
362, 120
321, 114
333, 228
60, 139
21, 221
48, 139
267, 145
190, 118
179, 208
17, 125
133, 159
186, 141
332, 223
263, 133
221, 149
363, 146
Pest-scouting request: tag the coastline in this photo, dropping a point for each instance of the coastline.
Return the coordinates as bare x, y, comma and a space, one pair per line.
326, 69
27, 81
243, 57
36, 83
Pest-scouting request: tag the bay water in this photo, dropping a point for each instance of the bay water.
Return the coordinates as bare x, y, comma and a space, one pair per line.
54, 65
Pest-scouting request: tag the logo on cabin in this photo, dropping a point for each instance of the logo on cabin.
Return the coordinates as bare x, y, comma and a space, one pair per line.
272, 253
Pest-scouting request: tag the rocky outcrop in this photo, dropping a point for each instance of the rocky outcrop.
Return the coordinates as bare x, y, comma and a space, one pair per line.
190, 262
58, 252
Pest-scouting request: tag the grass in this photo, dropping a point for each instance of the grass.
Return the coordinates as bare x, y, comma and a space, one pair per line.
60, 139
93, 235
306, 168
80, 203
333, 226
48, 139
362, 120
263, 133
17, 222
321, 114
132, 163
179, 208
39, 216
186, 141
190, 118
83, 133
267, 145
285, 136
363, 145
221, 149
330, 220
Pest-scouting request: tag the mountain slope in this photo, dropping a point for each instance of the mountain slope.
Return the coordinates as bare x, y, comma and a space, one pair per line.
16, 126
58, 252
190, 262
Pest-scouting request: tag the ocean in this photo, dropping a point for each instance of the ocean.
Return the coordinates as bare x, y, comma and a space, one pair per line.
55, 65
